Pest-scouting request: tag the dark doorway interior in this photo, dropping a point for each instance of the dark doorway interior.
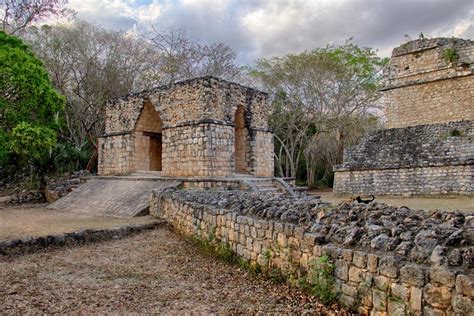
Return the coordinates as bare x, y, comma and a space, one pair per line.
240, 146
155, 151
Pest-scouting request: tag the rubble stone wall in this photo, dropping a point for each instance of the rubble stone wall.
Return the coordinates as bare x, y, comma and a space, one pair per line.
388, 260
423, 159
430, 81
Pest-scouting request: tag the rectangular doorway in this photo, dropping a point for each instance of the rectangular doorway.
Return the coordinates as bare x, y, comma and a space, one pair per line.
155, 151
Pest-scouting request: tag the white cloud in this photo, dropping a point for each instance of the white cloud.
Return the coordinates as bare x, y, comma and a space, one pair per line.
263, 28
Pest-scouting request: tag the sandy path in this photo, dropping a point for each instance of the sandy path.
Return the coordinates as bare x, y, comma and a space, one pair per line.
26, 221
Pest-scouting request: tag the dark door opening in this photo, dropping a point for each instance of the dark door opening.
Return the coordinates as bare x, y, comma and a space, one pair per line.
155, 151
240, 147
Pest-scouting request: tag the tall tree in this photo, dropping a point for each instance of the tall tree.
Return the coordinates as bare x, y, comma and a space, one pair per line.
176, 56
336, 87
29, 107
16, 15
90, 65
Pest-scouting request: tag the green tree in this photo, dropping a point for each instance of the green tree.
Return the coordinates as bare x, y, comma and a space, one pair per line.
334, 89
29, 107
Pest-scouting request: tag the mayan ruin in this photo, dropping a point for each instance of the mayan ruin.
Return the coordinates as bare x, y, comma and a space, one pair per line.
427, 147
200, 127
237, 157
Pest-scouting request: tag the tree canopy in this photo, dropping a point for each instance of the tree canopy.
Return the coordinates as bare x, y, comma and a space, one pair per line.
16, 15
323, 101
29, 105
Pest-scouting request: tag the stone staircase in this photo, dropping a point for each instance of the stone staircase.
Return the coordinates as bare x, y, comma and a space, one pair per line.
264, 185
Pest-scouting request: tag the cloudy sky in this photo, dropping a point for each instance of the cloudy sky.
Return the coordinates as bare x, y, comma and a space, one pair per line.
265, 28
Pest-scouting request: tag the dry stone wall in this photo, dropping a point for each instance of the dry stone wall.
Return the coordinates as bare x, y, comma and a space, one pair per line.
444, 180
388, 260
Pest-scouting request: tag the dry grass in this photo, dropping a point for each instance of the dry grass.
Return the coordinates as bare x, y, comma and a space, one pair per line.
154, 272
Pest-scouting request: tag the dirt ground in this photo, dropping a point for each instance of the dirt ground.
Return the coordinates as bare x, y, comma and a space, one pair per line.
465, 204
36, 220
153, 272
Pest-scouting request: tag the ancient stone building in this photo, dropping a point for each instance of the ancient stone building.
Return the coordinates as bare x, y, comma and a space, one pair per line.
428, 148
199, 127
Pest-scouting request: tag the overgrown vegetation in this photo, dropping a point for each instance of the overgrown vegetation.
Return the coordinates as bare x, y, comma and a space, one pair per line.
321, 279
30, 110
451, 55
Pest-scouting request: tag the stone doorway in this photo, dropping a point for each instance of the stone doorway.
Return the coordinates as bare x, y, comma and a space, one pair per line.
148, 147
155, 151
240, 145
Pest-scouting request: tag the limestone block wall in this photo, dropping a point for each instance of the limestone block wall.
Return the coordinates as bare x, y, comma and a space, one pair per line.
197, 121
262, 149
116, 154
204, 149
423, 86
191, 100
423, 159
433, 102
141, 152
387, 260
444, 180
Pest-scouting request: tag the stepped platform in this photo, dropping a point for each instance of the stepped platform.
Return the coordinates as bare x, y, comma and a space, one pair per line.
127, 195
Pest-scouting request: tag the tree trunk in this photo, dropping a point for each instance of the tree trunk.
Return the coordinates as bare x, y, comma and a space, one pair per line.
93, 160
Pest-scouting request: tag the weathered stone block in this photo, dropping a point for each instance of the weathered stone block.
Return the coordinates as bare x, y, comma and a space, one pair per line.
282, 240
379, 300
342, 270
412, 274
416, 298
443, 275
388, 266
396, 307
347, 254
356, 274
401, 291
465, 285
463, 305
360, 259
382, 282
347, 301
349, 290
430, 311
438, 296
372, 262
